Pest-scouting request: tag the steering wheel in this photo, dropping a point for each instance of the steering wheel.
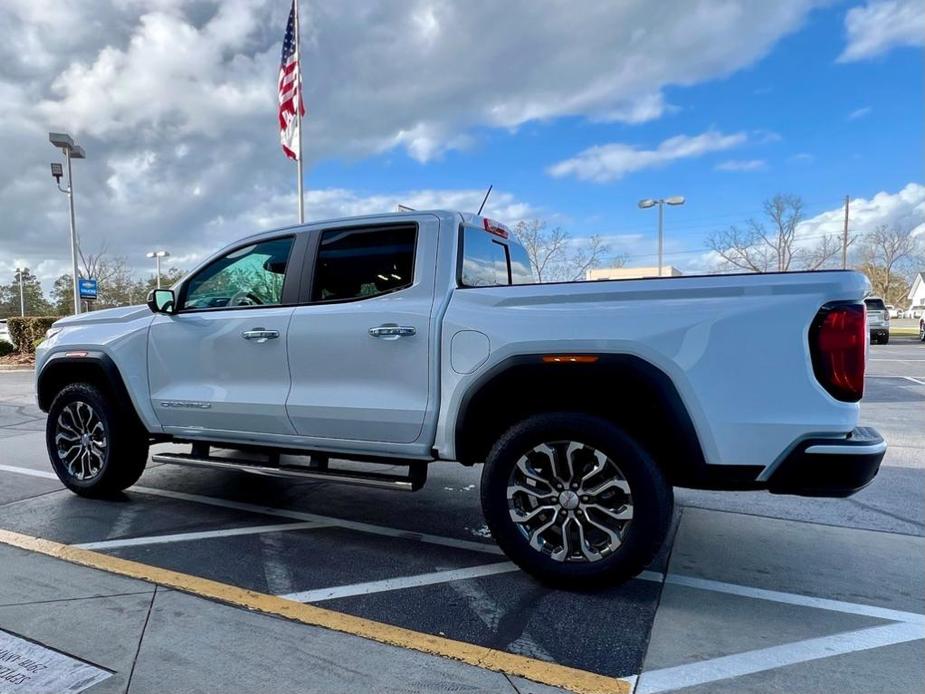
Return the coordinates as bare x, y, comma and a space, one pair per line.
244, 298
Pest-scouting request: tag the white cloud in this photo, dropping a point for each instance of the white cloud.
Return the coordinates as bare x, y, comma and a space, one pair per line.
742, 165
904, 209
860, 112
880, 25
608, 162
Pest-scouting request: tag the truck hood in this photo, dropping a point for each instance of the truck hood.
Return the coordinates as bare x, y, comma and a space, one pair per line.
122, 314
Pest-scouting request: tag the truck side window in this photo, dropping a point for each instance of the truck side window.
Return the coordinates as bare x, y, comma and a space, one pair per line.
249, 276
521, 267
361, 263
484, 260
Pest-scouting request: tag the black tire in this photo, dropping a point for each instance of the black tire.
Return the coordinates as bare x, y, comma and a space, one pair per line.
922, 332
652, 501
885, 340
118, 447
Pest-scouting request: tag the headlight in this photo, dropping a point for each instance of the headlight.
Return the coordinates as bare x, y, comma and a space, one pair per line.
51, 332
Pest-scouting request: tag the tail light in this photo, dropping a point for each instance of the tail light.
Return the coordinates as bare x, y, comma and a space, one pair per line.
838, 344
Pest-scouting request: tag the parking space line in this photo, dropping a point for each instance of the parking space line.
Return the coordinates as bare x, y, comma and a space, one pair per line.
203, 535
915, 380
552, 674
750, 662
796, 599
295, 515
388, 584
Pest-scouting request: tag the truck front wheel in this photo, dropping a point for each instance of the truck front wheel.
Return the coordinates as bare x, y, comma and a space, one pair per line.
574, 501
95, 448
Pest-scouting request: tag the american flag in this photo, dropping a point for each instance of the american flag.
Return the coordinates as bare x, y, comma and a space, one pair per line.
290, 91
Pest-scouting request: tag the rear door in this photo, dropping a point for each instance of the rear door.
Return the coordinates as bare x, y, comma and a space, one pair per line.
359, 345
220, 363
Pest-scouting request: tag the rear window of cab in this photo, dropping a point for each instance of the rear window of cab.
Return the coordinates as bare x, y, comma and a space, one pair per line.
487, 261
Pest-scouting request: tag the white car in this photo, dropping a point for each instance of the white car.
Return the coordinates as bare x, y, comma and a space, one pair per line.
5, 332
415, 337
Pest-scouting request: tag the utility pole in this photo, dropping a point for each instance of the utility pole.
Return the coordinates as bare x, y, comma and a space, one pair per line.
844, 242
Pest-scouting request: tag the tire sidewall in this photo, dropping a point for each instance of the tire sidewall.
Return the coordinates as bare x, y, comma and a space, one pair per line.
652, 498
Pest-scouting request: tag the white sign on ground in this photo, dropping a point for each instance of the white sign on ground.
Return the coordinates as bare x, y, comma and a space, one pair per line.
27, 667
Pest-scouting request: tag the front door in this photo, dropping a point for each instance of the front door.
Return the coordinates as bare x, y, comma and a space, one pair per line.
220, 364
359, 347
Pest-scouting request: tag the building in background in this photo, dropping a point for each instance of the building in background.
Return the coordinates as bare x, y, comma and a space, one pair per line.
917, 293
631, 273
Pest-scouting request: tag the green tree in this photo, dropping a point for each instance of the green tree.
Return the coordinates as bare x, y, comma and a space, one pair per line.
34, 299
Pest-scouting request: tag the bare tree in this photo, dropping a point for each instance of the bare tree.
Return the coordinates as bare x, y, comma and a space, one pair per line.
888, 255
772, 245
556, 256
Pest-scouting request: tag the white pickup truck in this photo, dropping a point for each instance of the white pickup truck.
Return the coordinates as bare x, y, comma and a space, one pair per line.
410, 338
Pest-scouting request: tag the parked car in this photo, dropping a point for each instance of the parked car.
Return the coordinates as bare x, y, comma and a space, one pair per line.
5, 332
922, 328
878, 320
893, 311
410, 338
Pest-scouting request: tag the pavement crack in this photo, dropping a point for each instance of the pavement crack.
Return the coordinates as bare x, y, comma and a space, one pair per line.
144, 630
81, 597
894, 516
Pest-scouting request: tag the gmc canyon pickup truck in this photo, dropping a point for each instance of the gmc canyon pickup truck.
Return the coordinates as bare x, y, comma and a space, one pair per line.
410, 338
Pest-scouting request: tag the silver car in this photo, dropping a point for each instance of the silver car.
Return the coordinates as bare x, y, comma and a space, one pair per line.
5, 332
878, 320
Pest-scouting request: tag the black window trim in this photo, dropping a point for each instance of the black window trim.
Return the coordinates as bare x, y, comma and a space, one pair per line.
314, 252
291, 282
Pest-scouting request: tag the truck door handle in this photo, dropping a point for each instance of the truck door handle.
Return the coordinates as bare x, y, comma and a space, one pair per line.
392, 332
260, 335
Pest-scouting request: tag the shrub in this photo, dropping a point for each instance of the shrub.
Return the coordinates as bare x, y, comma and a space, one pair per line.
27, 332
6, 348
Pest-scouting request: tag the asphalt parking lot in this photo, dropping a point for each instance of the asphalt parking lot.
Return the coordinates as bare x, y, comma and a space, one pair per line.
754, 592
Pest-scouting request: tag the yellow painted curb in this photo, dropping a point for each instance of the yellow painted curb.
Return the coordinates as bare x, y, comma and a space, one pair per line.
573, 679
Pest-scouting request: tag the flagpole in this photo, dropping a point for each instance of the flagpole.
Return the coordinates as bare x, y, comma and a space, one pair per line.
298, 111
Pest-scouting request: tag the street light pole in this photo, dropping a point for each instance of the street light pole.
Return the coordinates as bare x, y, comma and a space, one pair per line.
661, 202
71, 150
22, 299
157, 255
74, 249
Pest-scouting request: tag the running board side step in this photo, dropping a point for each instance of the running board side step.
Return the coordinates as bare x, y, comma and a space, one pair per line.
414, 480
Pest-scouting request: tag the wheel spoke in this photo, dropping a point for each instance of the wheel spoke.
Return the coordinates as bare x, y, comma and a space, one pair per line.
517, 517
563, 553
623, 514
585, 547
612, 483
520, 489
529, 474
615, 539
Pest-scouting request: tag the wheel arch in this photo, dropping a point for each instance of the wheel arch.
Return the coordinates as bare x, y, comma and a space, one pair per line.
622, 388
96, 368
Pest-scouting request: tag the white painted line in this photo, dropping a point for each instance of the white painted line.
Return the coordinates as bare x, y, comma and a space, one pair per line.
762, 659
902, 360
388, 584
29, 471
796, 599
915, 380
296, 515
203, 535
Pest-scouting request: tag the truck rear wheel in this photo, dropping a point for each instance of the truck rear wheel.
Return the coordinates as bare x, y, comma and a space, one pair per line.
574, 501
95, 448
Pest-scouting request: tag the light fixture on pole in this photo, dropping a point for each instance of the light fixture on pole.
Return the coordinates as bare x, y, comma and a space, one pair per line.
157, 255
649, 202
71, 150
22, 299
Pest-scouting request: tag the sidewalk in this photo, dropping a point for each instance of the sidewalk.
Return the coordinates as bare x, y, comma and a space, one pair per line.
149, 639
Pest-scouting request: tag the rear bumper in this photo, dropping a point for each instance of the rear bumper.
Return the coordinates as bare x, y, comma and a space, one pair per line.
880, 332
830, 467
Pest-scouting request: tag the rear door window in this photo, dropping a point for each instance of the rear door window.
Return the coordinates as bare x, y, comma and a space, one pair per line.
362, 263
875, 304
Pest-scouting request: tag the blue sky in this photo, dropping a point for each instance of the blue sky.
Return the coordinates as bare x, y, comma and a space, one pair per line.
573, 111
816, 127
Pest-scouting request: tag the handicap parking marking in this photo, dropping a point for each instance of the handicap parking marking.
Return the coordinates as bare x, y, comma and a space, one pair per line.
28, 667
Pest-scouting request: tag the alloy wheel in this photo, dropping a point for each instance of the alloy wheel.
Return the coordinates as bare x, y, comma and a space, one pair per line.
81, 441
570, 501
